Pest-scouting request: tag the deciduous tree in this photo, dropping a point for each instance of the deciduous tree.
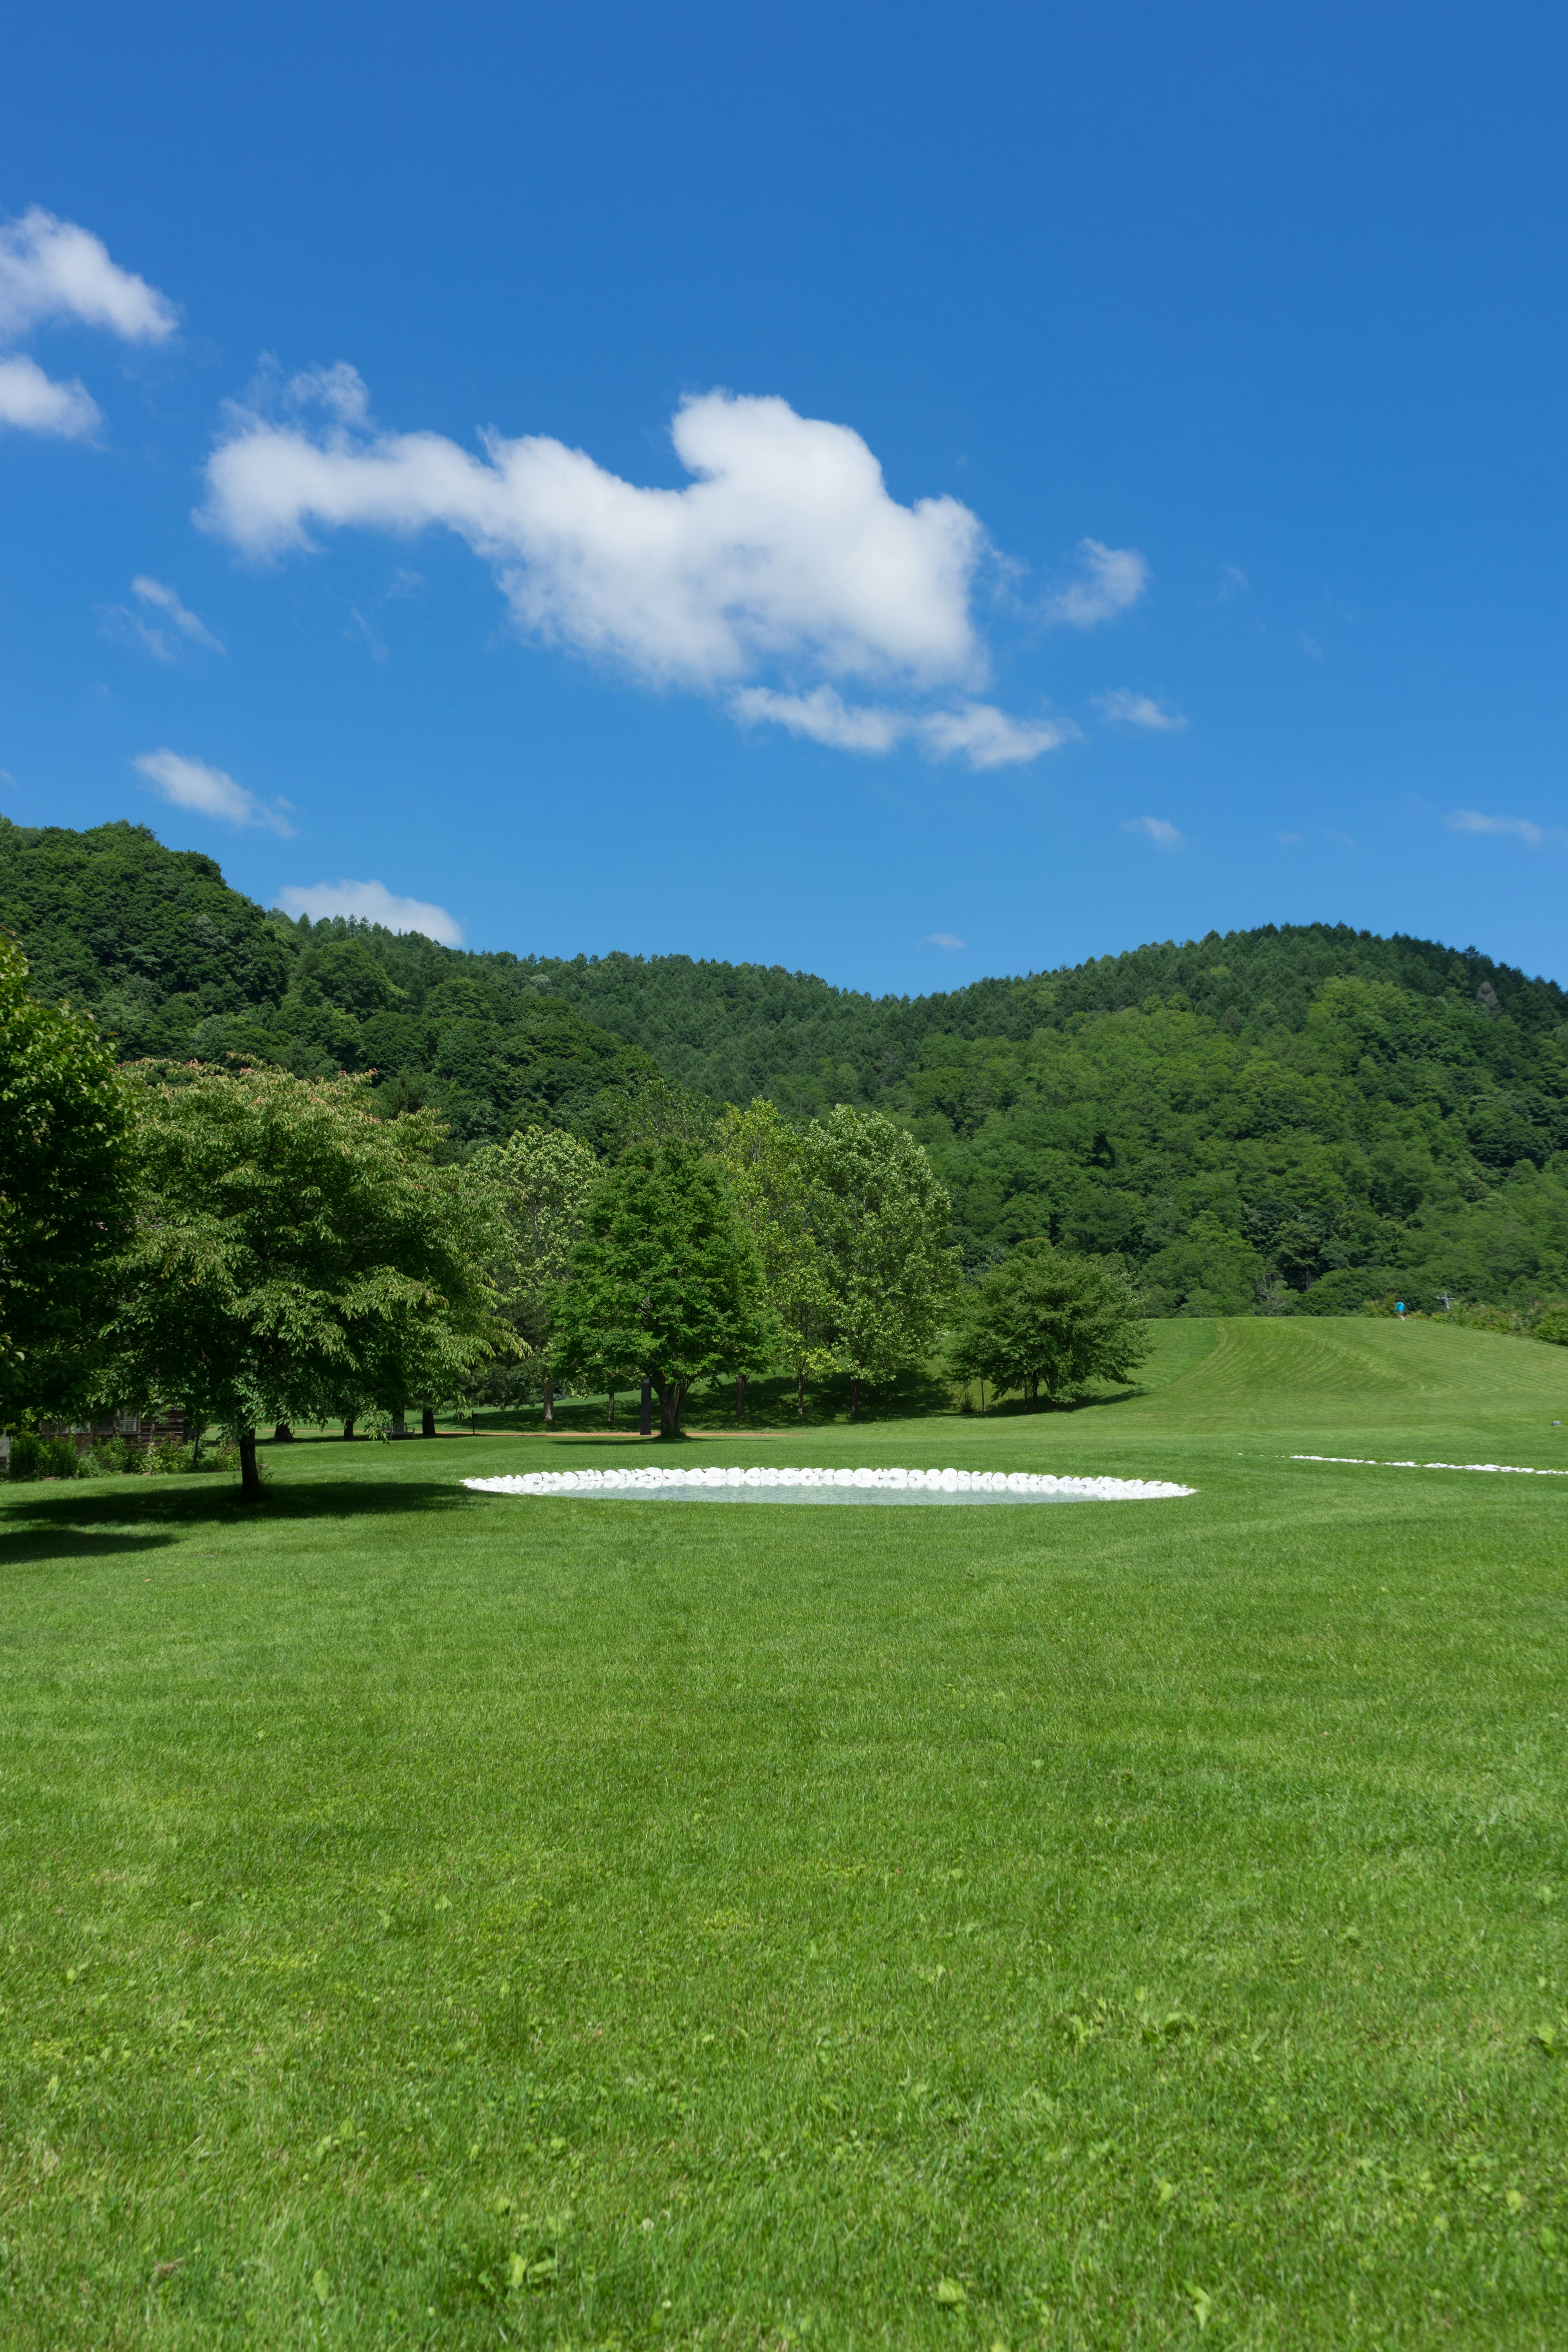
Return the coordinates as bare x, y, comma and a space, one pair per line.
766, 1160
1049, 1324
64, 1187
880, 1218
666, 1282
293, 1255
541, 1179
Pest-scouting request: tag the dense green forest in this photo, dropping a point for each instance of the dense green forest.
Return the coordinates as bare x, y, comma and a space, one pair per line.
1293, 1119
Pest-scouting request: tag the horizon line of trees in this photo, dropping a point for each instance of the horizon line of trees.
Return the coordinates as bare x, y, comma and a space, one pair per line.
255, 1248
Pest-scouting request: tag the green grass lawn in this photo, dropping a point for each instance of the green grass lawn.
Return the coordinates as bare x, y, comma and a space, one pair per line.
437, 1919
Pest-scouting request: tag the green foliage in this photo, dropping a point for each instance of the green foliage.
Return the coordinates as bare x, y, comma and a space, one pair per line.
1050, 1325
766, 1162
33, 1456
540, 1178
666, 1282
1552, 1326
174, 963
63, 1185
294, 1257
1353, 1112
880, 1220
1342, 1104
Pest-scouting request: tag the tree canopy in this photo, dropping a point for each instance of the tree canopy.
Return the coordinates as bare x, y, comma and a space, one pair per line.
881, 1222
64, 1187
667, 1284
1292, 1117
541, 1179
1049, 1325
293, 1255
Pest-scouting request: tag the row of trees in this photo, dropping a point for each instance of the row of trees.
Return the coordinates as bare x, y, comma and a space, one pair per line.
253, 1247
758, 1245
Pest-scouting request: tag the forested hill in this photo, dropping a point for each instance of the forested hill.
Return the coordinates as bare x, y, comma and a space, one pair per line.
734, 1031
173, 962
1296, 1117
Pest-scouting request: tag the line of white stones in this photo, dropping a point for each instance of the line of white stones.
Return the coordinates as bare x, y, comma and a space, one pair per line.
656, 1477
1371, 1461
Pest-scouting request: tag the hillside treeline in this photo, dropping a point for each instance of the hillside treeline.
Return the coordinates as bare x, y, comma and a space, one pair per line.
1296, 1119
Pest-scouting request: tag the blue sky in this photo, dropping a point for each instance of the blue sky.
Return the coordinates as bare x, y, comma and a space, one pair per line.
906, 493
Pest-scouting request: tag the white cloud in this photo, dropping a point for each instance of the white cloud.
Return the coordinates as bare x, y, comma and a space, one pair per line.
165, 599
52, 272
942, 940
1127, 710
36, 403
373, 902
192, 784
784, 551
823, 717
1520, 827
976, 731
1157, 829
1112, 578
988, 738
785, 547
166, 636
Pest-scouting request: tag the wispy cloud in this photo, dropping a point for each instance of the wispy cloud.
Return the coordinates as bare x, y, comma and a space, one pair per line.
977, 732
942, 940
1124, 709
373, 902
1520, 827
1111, 578
164, 627
53, 273
1157, 829
33, 401
207, 792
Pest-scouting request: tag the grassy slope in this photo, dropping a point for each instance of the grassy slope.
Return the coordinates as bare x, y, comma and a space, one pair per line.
753, 1928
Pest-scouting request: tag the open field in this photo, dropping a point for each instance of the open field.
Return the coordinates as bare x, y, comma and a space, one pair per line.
432, 1919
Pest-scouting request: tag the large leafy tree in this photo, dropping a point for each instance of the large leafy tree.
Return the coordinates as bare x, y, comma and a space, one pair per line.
764, 1159
666, 1283
541, 1179
64, 1191
880, 1217
1049, 1324
294, 1255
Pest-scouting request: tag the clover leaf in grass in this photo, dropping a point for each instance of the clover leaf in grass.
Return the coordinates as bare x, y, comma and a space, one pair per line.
950, 2294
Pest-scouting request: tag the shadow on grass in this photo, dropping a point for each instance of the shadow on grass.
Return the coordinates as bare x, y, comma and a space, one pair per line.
38, 1545
87, 1516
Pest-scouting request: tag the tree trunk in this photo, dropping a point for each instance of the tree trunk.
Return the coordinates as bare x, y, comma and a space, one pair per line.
428, 1422
399, 1425
800, 1392
646, 1426
249, 1478
549, 1405
282, 1434
854, 1396
612, 1422
671, 1397
739, 1396
348, 1433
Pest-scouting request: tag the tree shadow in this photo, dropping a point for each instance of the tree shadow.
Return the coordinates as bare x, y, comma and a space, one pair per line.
37, 1546
153, 1511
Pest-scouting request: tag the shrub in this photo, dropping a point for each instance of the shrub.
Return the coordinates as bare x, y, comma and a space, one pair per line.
1552, 1326
42, 1457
